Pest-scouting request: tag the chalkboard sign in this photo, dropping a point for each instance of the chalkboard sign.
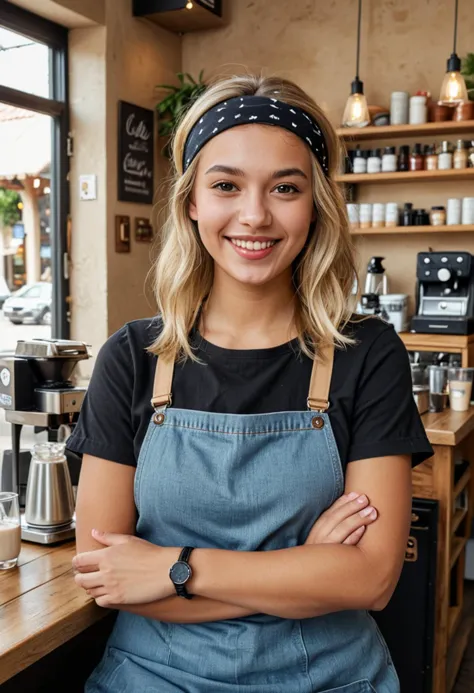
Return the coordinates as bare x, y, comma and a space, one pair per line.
135, 153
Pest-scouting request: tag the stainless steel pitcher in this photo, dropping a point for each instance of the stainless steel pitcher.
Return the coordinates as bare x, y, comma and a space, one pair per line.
49, 495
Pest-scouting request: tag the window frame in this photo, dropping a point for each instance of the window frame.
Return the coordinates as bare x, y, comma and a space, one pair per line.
56, 38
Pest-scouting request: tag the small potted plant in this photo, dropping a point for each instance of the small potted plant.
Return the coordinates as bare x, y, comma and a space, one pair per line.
175, 104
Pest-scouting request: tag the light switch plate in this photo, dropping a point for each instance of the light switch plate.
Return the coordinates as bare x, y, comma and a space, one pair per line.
88, 187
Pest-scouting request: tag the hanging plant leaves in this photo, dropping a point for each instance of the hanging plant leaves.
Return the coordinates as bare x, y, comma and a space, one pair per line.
172, 107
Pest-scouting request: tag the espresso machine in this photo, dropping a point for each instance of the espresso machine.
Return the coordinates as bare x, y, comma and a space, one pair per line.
445, 293
36, 390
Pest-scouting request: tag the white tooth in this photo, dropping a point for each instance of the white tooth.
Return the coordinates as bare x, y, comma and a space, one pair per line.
237, 242
249, 245
257, 245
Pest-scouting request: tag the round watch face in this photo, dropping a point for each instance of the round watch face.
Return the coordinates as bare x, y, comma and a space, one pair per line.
180, 573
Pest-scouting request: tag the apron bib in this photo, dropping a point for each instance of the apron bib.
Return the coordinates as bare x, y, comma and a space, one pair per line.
241, 483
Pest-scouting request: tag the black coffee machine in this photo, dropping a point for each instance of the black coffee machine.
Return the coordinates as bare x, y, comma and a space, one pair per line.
445, 293
36, 390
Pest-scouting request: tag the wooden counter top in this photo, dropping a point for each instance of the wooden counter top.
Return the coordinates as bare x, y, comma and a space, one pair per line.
40, 606
448, 427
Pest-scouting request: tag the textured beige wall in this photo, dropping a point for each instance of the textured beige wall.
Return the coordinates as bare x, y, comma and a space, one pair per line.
404, 46
87, 49
140, 55
123, 60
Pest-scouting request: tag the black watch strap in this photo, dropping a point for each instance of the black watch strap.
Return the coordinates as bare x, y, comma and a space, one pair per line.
181, 590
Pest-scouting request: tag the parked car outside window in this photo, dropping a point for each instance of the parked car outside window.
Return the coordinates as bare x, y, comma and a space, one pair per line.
31, 303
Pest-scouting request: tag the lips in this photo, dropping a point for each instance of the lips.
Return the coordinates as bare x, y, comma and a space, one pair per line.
256, 249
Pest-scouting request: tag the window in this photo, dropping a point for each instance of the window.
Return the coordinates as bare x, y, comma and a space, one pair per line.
34, 192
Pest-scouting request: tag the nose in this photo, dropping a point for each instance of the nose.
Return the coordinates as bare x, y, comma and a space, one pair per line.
254, 211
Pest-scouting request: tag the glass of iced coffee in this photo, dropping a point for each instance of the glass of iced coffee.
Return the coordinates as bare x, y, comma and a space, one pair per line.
460, 388
10, 530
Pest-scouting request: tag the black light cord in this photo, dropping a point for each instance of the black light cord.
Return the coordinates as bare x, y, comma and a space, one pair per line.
358, 38
455, 24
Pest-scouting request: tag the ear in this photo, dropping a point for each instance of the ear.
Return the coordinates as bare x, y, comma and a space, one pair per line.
192, 209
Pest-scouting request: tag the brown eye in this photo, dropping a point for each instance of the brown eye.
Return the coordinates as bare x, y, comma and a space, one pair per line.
225, 187
286, 189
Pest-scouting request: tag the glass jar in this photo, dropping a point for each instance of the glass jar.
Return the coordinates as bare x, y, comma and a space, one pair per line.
418, 110
360, 161
353, 214
404, 158
445, 157
408, 214
467, 210
378, 215
460, 157
431, 158
389, 160
417, 158
421, 218
374, 162
365, 215
453, 215
438, 216
391, 214
399, 108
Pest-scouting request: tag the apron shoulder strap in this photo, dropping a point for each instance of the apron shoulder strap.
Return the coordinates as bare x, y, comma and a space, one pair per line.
318, 397
162, 384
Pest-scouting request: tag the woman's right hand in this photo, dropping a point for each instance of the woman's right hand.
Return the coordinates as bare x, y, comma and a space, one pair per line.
343, 523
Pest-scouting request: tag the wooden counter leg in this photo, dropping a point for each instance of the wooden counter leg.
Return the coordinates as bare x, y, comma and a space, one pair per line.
443, 470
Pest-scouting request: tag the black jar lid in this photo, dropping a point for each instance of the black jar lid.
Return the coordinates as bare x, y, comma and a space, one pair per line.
441, 208
375, 152
389, 150
405, 149
417, 148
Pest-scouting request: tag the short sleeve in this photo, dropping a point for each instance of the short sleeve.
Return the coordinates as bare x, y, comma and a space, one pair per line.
104, 428
385, 418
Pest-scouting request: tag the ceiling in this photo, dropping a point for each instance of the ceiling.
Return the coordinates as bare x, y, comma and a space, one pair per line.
65, 12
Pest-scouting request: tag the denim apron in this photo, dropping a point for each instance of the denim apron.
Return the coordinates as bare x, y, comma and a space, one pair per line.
241, 483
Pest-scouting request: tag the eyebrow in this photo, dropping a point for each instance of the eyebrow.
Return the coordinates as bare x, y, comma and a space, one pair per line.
231, 171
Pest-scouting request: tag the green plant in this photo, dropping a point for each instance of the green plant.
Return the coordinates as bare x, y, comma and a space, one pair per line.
175, 104
9, 212
468, 72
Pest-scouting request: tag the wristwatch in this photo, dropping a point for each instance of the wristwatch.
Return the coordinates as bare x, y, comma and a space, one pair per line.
181, 572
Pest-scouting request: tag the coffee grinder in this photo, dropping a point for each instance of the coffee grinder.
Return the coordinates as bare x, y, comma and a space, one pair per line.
445, 293
36, 390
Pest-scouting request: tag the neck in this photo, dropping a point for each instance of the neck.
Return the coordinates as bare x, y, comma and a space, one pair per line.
244, 316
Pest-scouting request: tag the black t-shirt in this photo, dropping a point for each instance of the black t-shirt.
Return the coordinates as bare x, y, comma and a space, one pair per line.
372, 410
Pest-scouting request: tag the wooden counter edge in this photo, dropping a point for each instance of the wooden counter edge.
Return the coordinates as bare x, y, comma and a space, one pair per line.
448, 427
48, 639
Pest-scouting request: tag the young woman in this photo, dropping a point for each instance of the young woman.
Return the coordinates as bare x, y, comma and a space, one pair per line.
218, 518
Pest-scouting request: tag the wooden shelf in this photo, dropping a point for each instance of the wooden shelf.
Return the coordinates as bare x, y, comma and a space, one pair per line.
458, 517
457, 546
396, 131
455, 613
386, 230
457, 648
451, 174
462, 483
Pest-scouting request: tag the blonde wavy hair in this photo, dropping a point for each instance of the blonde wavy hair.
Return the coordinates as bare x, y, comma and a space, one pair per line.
324, 272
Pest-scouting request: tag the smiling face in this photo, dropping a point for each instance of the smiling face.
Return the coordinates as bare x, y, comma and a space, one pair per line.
253, 201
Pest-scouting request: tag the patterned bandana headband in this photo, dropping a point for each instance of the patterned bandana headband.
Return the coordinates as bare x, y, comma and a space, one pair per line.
242, 110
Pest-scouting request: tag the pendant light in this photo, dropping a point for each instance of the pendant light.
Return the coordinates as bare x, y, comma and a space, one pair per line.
453, 89
356, 113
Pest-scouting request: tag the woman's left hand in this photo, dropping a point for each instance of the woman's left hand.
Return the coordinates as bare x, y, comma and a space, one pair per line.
128, 570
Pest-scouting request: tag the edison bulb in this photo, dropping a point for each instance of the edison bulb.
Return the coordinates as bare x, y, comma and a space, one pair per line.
356, 113
189, 5
453, 89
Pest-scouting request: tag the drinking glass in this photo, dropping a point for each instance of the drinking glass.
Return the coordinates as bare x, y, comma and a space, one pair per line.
438, 380
460, 388
10, 530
